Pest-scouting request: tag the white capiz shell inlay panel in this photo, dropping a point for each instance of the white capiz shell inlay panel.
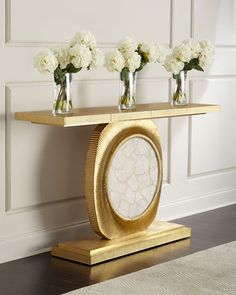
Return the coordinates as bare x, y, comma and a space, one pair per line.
132, 177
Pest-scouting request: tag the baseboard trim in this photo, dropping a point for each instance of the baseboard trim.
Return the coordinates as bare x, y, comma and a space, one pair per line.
42, 241
196, 205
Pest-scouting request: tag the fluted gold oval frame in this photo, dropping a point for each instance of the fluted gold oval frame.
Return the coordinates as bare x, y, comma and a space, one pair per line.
105, 141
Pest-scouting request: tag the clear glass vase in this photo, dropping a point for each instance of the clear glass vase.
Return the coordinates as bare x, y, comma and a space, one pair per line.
127, 90
179, 89
62, 104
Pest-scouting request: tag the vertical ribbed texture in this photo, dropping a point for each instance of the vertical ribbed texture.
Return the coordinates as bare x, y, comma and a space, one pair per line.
105, 140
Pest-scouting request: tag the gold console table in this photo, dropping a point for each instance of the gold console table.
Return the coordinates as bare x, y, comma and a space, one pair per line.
124, 174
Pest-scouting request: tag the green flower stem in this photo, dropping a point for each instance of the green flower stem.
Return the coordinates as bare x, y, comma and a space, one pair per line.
126, 97
179, 96
60, 104
127, 100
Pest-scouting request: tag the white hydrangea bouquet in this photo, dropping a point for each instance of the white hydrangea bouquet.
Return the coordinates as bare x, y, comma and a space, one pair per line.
190, 54
63, 61
130, 58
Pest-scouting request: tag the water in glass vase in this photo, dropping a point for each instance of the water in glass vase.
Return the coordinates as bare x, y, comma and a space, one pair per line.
179, 93
127, 90
62, 104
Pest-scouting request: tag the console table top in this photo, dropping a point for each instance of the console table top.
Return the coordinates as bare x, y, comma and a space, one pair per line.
100, 115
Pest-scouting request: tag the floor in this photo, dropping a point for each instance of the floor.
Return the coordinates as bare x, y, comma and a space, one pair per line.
46, 275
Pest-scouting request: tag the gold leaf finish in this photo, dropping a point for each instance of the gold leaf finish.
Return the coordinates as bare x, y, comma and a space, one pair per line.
94, 249
101, 115
105, 141
119, 235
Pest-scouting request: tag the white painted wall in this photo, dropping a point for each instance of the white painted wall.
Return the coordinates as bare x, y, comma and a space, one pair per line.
42, 168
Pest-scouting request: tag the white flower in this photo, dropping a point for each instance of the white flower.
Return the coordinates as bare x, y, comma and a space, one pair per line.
97, 58
132, 61
173, 65
183, 52
84, 38
80, 56
127, 45
207, 46
154, 52
192, 53
206, 57
114, 61
161, 52
207, 53
63, 55
205, 61
45, 62
195, 47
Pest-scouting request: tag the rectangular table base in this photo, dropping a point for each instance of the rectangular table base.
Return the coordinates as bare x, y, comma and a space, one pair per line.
94, 249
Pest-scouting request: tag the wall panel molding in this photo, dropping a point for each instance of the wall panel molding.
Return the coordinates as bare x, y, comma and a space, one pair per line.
37, 83
196, 204
192, 20
11, 42
36, 44
7, 148
7, 21
212, 173
192, 26
38, 241
229, 169
170, 45
8, 116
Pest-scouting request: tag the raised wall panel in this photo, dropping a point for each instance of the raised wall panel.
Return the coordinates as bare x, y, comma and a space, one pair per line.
22, 222
215, 20
212, 143
48, 163
57, 20
45, 164
181, 21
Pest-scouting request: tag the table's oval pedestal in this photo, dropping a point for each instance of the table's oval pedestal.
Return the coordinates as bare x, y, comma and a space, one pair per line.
124, 174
